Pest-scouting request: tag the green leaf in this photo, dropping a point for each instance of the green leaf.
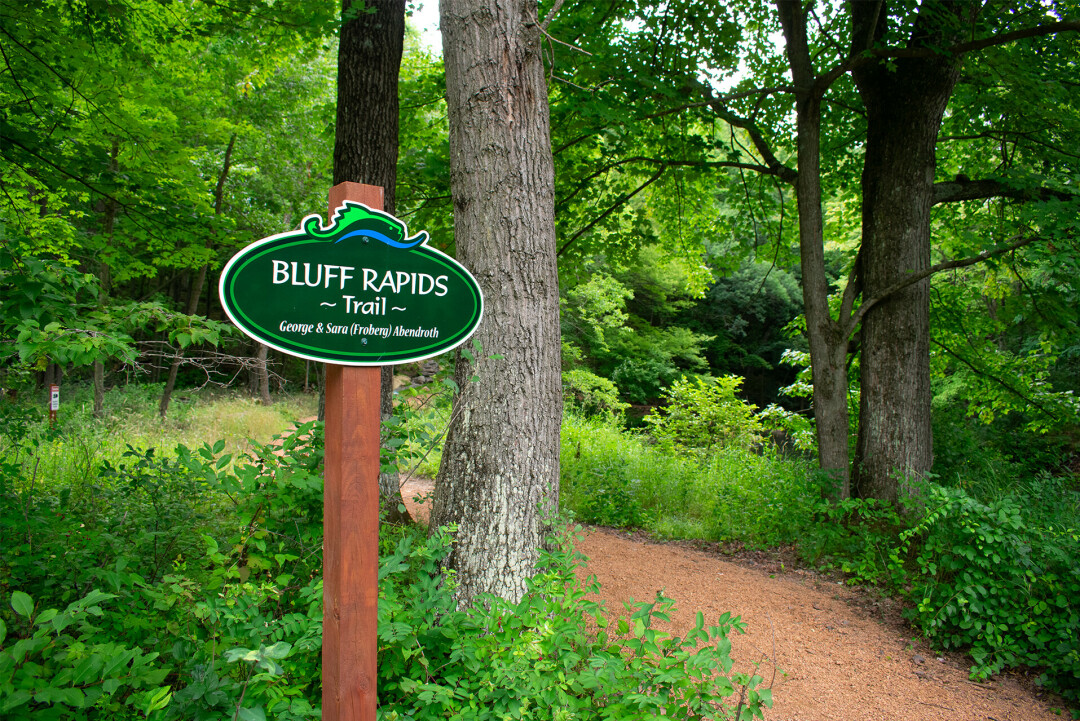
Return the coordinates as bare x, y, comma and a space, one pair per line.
17, 698
159, 700
49, 614
278, 650
22, 603
252, 714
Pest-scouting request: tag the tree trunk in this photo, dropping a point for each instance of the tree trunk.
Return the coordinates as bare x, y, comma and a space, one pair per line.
499, 479
904, 106
320, 374
390, 483
366, 143
99, 389
200, 278
828, 342
262, 374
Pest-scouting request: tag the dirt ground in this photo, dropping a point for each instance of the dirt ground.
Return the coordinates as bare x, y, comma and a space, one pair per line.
832, 653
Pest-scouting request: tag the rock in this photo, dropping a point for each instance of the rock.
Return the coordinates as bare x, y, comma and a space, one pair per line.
400, 381
917, 658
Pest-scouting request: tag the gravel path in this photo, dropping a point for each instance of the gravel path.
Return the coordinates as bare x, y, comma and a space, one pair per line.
839, 653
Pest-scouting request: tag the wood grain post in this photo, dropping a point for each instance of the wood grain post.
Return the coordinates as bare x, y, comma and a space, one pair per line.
351, 524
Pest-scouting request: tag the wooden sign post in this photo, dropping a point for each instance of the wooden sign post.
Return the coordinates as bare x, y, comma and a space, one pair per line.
356, 294
351, 524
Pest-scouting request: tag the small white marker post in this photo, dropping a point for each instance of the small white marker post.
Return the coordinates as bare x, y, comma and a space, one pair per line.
54, 403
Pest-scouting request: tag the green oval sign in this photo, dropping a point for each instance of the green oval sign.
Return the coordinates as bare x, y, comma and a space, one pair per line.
359, 292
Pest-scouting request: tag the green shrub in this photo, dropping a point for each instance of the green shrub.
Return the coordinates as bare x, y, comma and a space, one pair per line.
999, 580
214, 567
199, 574
854, 535
702, 415
60, 666
589, 394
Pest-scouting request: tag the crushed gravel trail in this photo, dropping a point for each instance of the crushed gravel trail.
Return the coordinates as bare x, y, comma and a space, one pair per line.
832, 653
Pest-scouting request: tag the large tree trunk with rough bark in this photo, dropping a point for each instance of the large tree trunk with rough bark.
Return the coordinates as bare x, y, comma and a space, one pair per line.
500, 468
366, 141
904, 103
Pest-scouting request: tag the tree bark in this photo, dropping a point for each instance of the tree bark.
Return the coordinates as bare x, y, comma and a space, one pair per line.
828, 342
499, 479
262, 374
366, 142
904, 106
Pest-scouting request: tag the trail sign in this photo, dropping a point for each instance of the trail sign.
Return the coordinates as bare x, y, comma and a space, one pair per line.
359, 292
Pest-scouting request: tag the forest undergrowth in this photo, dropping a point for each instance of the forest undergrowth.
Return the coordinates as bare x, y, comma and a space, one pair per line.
145, 574
185, 583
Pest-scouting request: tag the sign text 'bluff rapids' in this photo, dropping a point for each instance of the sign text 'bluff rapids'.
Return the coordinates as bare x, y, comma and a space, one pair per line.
359, 292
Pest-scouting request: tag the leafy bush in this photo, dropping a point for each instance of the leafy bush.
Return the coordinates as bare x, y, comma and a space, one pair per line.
193, 590
213, 564
855, 535
61, 667
999, 580
587, 393
704, 414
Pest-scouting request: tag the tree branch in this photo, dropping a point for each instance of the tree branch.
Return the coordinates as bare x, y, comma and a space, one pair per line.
982, 43
953, 191
551, 16
999, 381
131, 208
852, 290
775, 167
723, 99
859, 57
914, 278
68, 83
657, 161
618, 203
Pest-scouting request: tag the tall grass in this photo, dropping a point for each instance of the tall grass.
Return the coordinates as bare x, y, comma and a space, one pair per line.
73, 451
613, 477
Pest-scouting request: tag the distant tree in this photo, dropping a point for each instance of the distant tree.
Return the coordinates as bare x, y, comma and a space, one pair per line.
849, 112
499, 478
905, 65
